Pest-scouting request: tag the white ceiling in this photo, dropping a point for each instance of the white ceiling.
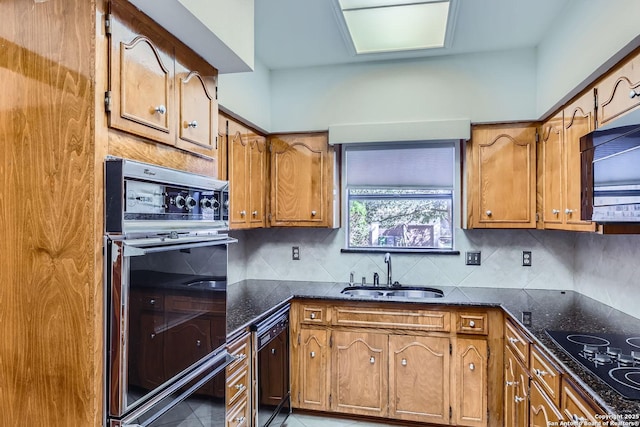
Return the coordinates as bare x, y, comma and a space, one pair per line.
303, 33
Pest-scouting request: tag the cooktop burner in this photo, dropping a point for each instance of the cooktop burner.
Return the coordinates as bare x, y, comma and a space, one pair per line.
615, 359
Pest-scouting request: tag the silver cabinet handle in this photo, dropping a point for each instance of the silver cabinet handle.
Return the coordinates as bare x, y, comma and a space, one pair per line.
540, 373
152, 301
240, 357
555, 211
192, 124
633, 94
312, 354
243, 213
511, 383
312, 315
372, 360
198, 343
254, 213
240, 420
153, 335
577, 418
568, 211
273, 351
313, 213
513, 340
161, 109
403, 362
489, 213
472, 367
472, 324
239, 386
518, 399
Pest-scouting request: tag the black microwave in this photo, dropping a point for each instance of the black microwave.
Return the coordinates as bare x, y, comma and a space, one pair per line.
610, 173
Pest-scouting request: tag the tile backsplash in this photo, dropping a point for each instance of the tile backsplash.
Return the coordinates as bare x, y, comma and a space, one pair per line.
601, 267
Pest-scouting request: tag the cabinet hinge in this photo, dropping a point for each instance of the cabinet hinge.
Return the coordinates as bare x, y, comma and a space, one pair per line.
107, 24
216, 147
488, 352
107, 101
330, 399
537, 137
298, 397
330, 336
487, 414
450, 349
450, 413
298, 339
595, 108
216, 92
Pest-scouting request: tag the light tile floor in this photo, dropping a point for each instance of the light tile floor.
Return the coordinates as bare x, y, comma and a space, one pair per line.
306, 420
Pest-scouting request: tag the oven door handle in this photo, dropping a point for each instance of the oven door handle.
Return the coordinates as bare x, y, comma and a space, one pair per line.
150, 246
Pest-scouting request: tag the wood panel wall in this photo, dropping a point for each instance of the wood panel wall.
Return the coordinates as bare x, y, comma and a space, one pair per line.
50, 225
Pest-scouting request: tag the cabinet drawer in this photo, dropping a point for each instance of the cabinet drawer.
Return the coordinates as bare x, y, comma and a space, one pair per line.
236, 387
240, 350
576, 406
517, 341
191, 304
313, 314
417, 319
472, 323
546, 374
238, 416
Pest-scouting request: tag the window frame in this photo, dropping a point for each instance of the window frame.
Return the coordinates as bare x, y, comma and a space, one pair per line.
457, 195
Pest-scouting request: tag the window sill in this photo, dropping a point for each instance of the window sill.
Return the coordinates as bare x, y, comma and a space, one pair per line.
401, 251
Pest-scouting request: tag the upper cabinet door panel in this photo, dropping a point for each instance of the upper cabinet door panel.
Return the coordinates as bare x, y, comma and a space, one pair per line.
141, 80
502, 178
300, 174
552, 171
198, 109
619, 91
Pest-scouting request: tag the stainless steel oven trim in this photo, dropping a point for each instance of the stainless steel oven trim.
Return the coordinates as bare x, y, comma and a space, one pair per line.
220, 361
155, 245
118, 331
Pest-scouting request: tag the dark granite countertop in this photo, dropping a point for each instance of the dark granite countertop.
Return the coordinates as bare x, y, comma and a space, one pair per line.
251, 300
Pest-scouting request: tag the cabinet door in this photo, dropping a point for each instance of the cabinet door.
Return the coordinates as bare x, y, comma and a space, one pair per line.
419, 378
257, 183
359, 373
198, 121
577, 407
301, 180
502, 176
310, 385
470, 379
619, 91
515, 391
238, 175
552, 172
543, 413
220, 149
141, 79
578, 121
186, 342
147, 348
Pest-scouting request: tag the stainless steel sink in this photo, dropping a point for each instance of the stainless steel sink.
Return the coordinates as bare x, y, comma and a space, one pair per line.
398, 292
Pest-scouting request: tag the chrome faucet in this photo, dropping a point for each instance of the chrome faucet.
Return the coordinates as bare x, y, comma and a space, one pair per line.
387, 260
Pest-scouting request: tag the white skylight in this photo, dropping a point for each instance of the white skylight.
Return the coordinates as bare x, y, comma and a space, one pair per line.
395, 25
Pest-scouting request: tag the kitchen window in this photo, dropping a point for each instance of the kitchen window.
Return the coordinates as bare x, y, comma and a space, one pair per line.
400, 197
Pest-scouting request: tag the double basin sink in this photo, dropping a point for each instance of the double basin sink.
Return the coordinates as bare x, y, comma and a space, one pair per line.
398, 292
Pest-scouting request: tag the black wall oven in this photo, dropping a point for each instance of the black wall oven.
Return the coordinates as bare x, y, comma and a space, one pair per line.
166, 288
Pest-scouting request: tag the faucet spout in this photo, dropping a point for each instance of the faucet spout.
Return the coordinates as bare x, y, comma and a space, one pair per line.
387, 260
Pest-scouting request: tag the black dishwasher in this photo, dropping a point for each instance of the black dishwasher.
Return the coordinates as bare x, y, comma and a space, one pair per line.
274, 395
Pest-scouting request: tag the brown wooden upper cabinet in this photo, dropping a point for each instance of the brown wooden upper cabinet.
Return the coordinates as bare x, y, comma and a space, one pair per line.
158, 88
619, 91
501, 176
559, 169
247, 173
302, 181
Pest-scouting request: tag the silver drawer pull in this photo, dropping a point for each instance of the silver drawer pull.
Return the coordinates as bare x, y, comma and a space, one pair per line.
240, 420
372, 360
312, 354
513, 340
633, 94
198, 343
489, 213
192, 124
472, 367
313, 213
239, 386
312, 315
472, 324
403, 362
511, 383
160, 109
540, 373
518, 399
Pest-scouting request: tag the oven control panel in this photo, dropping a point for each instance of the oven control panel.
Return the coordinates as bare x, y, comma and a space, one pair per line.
146, 200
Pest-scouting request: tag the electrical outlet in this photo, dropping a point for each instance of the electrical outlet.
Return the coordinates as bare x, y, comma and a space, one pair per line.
526, 258
472, 258
295, 253
526, 318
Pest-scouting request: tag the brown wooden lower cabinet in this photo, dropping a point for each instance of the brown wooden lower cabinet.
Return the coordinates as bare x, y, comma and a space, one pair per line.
238, 384
516, 390
359, 373
419, 378
427, 373
543, 412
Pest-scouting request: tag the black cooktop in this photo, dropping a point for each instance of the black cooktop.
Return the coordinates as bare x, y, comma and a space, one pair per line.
615, 359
